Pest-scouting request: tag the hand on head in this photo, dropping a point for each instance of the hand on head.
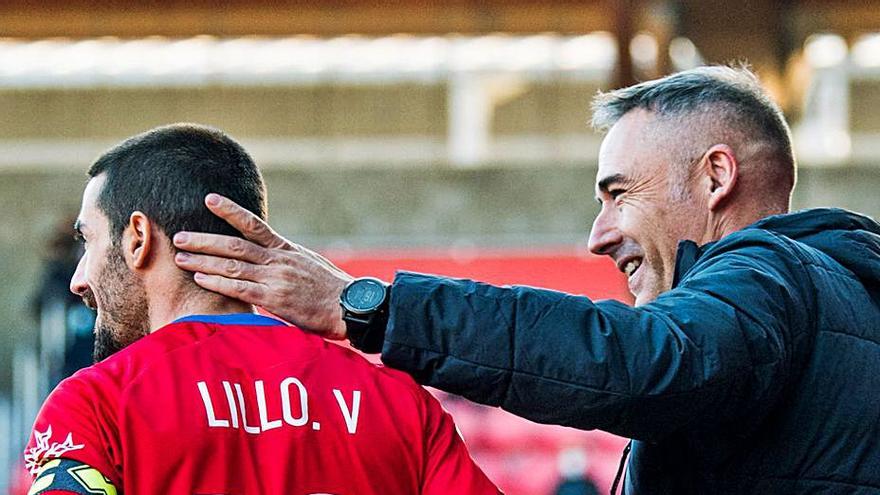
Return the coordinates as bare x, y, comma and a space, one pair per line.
266, 270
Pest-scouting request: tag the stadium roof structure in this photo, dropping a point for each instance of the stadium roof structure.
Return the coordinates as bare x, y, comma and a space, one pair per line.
353, 59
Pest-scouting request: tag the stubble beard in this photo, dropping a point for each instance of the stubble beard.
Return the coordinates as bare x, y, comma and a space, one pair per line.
124, 316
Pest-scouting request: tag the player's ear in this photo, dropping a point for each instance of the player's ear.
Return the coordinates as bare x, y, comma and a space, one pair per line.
140, 241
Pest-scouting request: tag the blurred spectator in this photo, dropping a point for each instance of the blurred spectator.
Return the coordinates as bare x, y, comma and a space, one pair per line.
573, 463
53, 294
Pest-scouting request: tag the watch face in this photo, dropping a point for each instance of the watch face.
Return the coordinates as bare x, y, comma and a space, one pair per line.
364, 295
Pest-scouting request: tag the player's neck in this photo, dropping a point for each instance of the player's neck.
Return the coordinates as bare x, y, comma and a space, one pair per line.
189, 301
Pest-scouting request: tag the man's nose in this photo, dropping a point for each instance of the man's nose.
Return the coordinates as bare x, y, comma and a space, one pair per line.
604, 236
78, 284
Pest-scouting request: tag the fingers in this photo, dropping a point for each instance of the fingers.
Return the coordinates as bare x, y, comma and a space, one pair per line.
225, 267
250, 225
243, 290
221, 245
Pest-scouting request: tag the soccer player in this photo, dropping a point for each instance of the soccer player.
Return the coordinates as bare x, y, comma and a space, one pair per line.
195, 393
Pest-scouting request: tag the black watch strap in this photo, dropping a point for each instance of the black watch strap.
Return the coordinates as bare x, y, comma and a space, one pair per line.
367, 335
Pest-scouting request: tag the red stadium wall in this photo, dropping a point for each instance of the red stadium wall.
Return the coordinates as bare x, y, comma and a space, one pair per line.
564, 268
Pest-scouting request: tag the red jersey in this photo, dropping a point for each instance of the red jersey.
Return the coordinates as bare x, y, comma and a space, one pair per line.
243, 404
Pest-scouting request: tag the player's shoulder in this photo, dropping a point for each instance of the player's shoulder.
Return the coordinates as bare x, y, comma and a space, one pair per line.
85, 379
360, 368
125, 365
115, 369
91, 386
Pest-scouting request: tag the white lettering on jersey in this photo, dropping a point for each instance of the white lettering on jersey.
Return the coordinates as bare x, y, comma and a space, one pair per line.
350, 415
241, 406
233, 411
265, 424
303, 402
209, 408
290, 391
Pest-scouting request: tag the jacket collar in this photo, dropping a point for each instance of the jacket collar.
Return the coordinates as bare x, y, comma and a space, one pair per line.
799, 225
685, 258
807, 222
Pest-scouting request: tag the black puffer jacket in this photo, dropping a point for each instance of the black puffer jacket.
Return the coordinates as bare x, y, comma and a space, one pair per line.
758, 373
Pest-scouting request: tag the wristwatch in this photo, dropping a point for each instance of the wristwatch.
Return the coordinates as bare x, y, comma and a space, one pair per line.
364, 304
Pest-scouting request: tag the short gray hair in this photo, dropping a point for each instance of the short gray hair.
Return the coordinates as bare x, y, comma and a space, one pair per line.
734, 96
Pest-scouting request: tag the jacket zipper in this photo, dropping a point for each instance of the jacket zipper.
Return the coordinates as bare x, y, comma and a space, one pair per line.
620, 469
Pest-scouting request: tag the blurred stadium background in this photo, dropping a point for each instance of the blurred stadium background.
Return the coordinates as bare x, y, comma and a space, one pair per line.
444, 136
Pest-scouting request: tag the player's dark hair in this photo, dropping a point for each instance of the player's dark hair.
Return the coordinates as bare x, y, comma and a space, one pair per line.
166, 172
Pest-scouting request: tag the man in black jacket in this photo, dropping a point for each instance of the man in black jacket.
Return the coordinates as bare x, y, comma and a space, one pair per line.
751, 361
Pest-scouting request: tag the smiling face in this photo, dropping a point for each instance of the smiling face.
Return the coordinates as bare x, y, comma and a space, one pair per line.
105, 282
648, 204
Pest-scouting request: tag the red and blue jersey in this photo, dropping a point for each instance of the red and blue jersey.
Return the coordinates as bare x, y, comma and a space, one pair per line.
244, 404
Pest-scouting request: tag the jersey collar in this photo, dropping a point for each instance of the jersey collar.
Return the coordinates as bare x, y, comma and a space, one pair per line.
252, 319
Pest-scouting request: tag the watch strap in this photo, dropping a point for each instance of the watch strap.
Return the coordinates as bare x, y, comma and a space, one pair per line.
367, 336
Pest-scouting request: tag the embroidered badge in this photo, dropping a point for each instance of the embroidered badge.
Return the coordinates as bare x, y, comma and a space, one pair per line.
34, 457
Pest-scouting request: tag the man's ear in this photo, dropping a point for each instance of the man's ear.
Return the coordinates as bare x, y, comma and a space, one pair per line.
140, 242
723, 173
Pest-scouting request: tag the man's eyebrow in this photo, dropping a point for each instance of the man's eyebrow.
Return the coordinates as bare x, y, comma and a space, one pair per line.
606, 183
77, 228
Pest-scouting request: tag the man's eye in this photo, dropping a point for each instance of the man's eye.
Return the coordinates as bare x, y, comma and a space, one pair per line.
615, 193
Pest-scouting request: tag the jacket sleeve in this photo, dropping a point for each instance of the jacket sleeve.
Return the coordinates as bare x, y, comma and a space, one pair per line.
718, 347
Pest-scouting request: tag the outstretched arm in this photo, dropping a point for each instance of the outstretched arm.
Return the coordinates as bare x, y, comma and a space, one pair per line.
719, 348
720, 342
